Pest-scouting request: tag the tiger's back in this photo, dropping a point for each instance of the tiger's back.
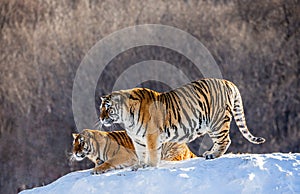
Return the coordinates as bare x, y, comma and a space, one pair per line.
115, 150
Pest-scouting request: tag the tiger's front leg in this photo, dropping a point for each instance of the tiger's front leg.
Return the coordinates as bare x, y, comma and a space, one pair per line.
140, 150
153, 148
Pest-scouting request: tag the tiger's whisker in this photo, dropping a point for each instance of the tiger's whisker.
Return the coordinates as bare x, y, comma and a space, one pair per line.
71, 157
98, 125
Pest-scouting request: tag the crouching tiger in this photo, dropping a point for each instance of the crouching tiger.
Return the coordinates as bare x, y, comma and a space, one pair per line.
152, 118
115, 150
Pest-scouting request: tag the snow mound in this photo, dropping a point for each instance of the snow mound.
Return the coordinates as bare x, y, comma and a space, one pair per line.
245, 173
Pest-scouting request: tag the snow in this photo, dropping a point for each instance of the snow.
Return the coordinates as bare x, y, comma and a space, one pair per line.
231, 173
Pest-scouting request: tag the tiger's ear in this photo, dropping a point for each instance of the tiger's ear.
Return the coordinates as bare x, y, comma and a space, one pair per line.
102, 98
75, 135
116, 97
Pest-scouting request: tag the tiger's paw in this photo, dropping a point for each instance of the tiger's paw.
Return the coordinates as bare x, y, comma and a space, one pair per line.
145, 165
99, 171
209, 155
94, 172
137, 166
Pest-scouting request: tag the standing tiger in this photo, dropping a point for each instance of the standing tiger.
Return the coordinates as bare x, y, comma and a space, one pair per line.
152, 118
115, 150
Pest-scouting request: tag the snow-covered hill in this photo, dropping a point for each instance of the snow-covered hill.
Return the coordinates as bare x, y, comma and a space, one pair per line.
246, 173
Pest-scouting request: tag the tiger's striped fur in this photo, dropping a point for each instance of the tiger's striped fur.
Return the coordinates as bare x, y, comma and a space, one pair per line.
115, 150
152, 118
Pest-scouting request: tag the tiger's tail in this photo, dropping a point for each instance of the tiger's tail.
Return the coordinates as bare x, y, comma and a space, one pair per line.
239, 117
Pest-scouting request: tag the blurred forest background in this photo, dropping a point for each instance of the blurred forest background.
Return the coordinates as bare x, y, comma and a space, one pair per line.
255, 43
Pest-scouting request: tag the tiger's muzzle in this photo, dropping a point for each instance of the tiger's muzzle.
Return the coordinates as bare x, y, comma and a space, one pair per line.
107, 121
79, 156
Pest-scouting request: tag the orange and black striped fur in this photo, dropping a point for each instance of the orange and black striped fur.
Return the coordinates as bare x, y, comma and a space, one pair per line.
152, 118
115, 150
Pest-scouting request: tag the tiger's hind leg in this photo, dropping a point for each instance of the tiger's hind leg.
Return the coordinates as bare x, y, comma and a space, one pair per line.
220, 139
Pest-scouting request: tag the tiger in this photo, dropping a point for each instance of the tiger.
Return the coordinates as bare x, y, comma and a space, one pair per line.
115, 150
205, 106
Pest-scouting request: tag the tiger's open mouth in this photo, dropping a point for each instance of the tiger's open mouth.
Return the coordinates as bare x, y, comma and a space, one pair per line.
107, 122
78, 156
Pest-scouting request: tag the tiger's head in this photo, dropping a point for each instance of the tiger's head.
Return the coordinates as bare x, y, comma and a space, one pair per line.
81, 147
115, 107
109, 110
124, 106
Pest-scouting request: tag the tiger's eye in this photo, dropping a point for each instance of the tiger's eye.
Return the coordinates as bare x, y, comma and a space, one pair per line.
107, 105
